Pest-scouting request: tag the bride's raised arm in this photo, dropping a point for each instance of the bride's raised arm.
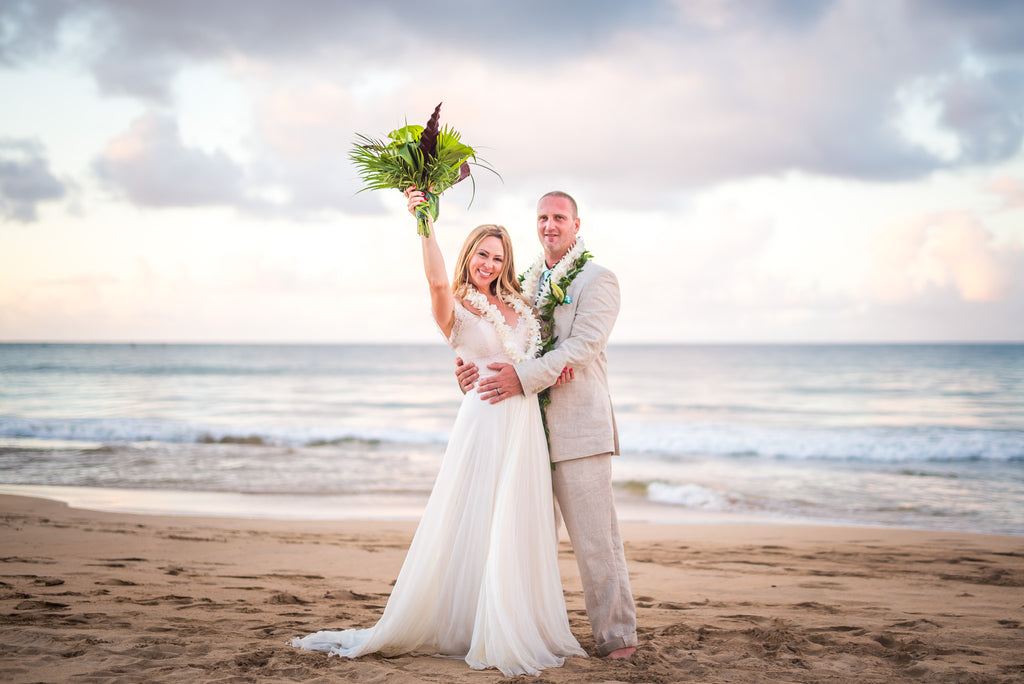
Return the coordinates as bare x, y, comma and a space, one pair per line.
442, 302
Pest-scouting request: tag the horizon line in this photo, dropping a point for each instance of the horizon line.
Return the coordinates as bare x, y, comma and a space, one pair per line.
615, 343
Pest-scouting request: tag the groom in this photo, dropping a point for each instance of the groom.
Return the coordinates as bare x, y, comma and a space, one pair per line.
582, 433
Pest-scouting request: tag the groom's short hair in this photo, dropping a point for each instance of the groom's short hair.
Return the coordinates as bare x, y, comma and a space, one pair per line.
563, 195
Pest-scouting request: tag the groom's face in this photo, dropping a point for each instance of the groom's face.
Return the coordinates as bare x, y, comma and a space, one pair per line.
557, 225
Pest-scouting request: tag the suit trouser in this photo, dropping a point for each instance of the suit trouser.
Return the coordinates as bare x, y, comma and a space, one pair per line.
583, 490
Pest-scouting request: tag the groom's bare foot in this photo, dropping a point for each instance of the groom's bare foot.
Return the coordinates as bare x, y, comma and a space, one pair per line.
622, 653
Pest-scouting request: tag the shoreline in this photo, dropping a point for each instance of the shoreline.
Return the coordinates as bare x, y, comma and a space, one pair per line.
383, 507
110, 596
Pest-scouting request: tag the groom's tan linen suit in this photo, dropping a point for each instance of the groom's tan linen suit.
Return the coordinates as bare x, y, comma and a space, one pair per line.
582, 439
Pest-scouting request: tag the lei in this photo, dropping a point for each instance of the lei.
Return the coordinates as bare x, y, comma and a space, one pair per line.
491, 313
554, 292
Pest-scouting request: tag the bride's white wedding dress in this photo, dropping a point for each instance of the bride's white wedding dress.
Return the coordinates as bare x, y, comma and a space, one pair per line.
481, 578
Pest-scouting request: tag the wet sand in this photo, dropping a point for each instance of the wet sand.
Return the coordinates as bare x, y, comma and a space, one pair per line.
110, 597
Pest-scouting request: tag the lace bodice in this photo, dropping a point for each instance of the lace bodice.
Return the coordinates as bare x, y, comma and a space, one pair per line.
475, 339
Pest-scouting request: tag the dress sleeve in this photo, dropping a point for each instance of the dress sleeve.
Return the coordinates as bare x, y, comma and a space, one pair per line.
597, 307
461, 316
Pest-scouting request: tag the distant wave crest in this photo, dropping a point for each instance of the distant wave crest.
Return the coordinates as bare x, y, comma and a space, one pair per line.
873, 444
128, 430
881, 444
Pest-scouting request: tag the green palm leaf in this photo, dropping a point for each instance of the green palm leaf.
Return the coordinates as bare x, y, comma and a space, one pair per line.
430, 158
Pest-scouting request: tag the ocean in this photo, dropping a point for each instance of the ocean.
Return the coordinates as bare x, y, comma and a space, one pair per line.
919, 436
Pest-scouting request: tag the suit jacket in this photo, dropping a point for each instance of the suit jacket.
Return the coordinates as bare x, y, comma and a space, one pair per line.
580, 418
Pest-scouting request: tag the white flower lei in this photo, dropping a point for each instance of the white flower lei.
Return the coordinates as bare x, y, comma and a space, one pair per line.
491, 313
532, 275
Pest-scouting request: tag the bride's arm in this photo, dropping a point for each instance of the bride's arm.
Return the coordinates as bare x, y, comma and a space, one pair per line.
441, 301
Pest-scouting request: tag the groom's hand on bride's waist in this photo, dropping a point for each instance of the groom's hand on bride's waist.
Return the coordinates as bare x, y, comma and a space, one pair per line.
466, 373
500, 386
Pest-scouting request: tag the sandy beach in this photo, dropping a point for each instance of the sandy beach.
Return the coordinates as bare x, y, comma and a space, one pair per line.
109, 597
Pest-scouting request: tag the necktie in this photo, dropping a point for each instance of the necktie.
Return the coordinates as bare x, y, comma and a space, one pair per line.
545, 276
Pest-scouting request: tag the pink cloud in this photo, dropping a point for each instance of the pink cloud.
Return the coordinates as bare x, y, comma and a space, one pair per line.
940, 251
1010, 189
151, 164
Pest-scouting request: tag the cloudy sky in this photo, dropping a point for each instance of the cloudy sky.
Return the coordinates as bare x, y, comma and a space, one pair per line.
754, 171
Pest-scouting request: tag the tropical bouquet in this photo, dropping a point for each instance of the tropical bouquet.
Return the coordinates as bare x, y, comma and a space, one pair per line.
430, 157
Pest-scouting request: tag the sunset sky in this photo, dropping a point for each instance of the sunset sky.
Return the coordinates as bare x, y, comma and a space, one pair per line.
754, 171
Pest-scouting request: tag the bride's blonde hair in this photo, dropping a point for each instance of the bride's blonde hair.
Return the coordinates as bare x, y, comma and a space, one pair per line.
506, 283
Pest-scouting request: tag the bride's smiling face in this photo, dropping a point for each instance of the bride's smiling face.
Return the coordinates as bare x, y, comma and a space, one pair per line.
486, 263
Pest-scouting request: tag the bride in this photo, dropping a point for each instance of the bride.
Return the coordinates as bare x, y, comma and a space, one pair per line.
481, 579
